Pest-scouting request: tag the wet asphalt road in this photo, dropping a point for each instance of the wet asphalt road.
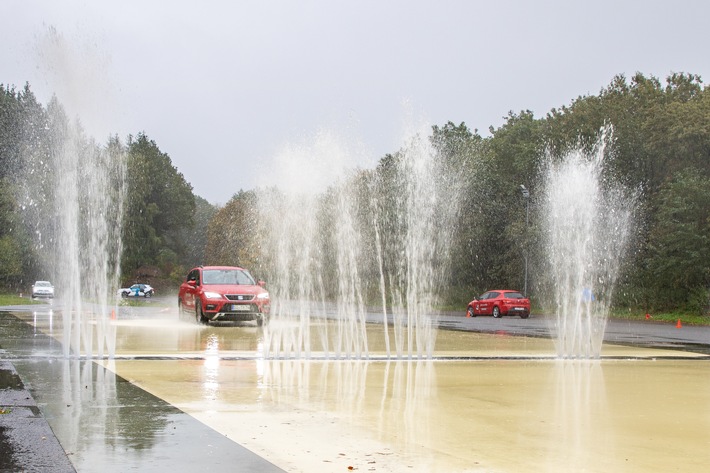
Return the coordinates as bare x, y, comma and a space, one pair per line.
27, 443
104, 416
648, 334
643, 333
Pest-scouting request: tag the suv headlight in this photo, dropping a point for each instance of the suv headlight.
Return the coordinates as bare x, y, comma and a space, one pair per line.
263, 295
213, 295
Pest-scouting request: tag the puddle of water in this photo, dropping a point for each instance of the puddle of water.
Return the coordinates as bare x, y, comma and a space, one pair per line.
498, 415
506, 407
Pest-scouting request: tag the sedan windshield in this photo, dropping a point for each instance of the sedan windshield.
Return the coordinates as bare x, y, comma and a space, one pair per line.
227, 276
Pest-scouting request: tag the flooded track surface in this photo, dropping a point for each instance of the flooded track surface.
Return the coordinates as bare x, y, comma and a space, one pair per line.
182, 397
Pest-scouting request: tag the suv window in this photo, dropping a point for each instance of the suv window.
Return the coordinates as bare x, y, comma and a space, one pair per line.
227, 276
194, 275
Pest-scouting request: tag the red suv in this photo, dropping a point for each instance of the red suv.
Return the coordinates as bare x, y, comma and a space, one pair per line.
498, 303
223, 293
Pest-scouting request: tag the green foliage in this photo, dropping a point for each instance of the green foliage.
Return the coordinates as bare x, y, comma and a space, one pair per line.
465, 154
22, 133
661, 146
160, 207
670, 316
515, 151
10, 259
195, 237
679, 241
232, 237
15, 299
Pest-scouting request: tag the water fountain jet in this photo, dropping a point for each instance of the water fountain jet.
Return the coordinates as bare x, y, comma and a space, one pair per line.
588, 220
377, 237
72, 200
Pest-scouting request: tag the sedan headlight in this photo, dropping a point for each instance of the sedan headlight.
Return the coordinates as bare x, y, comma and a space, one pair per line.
213, 295
263, 295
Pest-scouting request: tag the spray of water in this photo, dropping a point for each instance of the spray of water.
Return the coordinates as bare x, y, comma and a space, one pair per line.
73, 200
588, 222
372, 247
72, 195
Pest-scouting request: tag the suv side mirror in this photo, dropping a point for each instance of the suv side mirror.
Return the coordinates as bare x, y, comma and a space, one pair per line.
261, 283
192, 282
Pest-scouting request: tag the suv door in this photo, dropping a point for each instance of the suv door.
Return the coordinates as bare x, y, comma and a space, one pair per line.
191, 290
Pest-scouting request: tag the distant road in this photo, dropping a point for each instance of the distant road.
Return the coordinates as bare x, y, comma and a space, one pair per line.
643, 333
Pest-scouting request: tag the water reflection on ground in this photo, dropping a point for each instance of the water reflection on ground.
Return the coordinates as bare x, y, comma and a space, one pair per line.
486, 402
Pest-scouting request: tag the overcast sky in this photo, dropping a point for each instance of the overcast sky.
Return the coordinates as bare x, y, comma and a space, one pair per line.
242, 94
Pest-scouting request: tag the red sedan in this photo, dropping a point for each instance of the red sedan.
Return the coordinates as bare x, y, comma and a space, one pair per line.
498, 303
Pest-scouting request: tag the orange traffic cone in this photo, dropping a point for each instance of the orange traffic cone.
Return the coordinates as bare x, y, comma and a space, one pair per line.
113, 315
647, 316
678, 325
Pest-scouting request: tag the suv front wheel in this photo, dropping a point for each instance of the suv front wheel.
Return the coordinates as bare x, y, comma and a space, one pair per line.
199, 315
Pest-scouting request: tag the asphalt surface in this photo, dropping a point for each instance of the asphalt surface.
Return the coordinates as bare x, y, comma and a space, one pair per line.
27, 442
646, 333
137, 421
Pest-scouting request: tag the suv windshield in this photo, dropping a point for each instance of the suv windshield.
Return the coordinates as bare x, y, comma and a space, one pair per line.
227, 276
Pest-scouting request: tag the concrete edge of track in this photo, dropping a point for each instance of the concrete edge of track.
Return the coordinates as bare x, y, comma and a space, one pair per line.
27, 442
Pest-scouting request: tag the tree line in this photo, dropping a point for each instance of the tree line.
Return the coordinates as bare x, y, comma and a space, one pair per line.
660, 150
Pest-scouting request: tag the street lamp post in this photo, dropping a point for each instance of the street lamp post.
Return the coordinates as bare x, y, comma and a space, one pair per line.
526, 196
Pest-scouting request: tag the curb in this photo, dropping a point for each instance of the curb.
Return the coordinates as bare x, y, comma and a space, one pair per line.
27, 442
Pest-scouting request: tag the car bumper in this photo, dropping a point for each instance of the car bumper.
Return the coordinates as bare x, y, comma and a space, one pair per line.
230, 312
234, 317
48, 295
518, 311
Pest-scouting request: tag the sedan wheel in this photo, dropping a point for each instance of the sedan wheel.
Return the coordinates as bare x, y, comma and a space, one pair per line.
496, 312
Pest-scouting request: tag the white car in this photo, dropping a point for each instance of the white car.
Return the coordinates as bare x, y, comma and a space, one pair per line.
42, 289
137, 290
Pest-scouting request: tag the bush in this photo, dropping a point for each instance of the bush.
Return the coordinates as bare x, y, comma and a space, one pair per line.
699, 301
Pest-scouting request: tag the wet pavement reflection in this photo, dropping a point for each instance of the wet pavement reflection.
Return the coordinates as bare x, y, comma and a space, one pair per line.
191, 397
